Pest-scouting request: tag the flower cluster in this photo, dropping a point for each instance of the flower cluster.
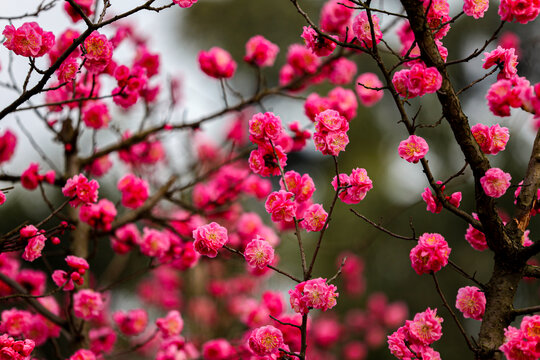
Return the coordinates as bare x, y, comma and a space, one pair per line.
314, 218
29, 40
31, 178
330, 136
515, 92
319, 45
36, 242
81, 190
266, 131
209, 239
523, 343
217, 63
86, 6
313, 294
132, 84
417, 81
354, 186
260, 51
412, 340
495, 182
362, 29
99, 215
300, 61
281, 206
131, 323
265, 340
434, 205
338, 99
15, 349
491, 139
134, 191
505, 59
335, 17
522, 11
471, 302
475, 8
430, 254
98, 51
438, 17
413, 149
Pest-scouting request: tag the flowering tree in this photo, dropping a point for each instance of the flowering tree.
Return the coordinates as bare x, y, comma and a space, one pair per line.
192, 227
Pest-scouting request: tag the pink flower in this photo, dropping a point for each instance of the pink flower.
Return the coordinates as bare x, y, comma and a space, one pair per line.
98, 52
81, 190
264, 127
29, 40
430, 254
280, 206
30, 178
36, 242
8, 142
515, 347
522, 11
96, 115
260, 51
60, 277
131, 323
426, 326
495, 182
209, 239
87, 7
365, 89
471, 302
341, 71
434, 205
259, 253
413, 149
77, 263
68, 70
170, 325
417, 81
302, 60
134, 191
313, 294
301, 186
154, 243
475, 237
475, 8
356, 186
335, 16
102, 339
217, 349
99, 166
362, 29
314, 218
504, 59
217, 63
87, 304
185, 3
100, 215
83, 354
125, 238
331, 132
265, 340
319, 45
